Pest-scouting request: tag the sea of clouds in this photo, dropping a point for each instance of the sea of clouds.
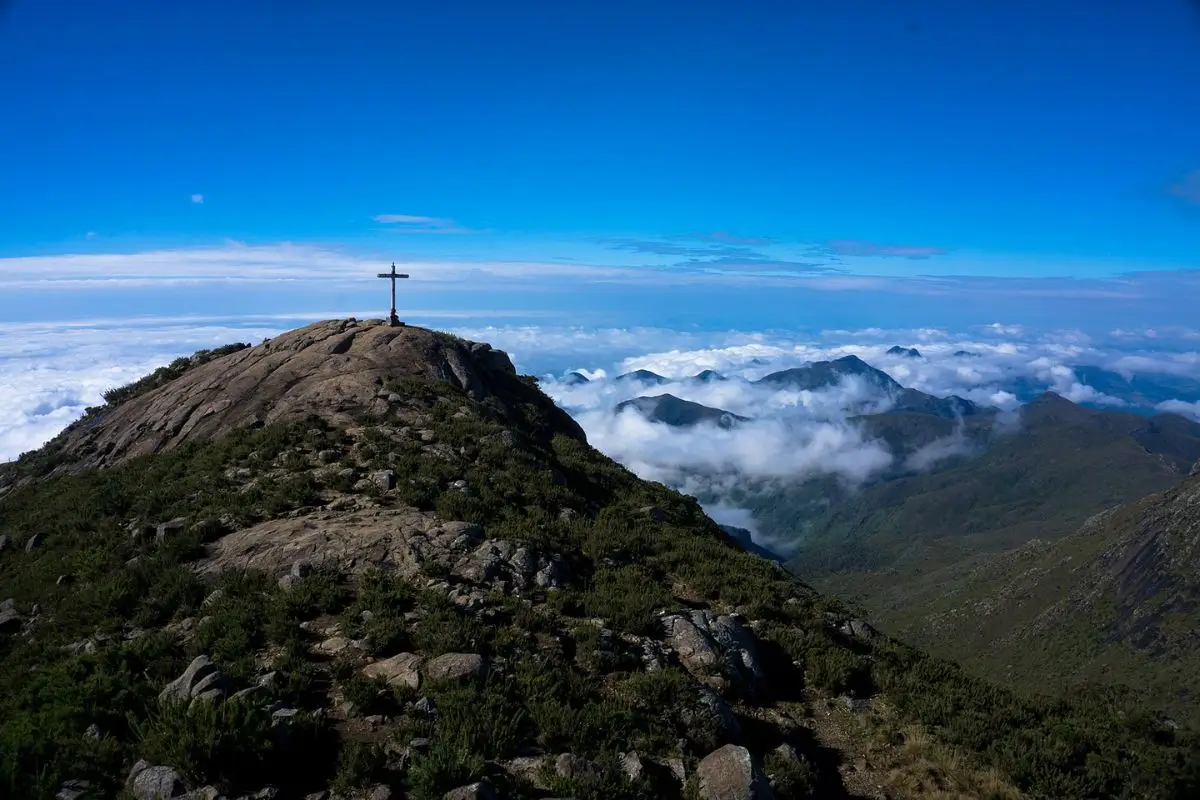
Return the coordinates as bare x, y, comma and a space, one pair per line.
51, 372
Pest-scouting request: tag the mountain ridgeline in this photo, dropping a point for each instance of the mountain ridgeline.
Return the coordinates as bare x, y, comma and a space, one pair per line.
364, 561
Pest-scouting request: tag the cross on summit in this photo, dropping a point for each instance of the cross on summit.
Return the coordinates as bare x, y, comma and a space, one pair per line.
393, 320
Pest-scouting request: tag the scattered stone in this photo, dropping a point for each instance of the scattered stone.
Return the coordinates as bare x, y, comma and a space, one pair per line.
379, 792
568, 514
675, 765
705, 640
334, 645
301, 569
201, 680
3, 543
384, 479
427, 436
328, 456
455, 667
631, 765
402, 669
33, 542
569, 765
63, 580
426, 707
710, 721
74, 790
148, 782
474, 791
92, 732
859, 630
10, 618
731, 773
170, 528
213, 598
459, 485
205, 793
79, 647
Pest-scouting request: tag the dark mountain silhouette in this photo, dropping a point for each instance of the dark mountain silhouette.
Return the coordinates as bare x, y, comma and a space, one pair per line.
642, 376
823, 374
676, 412
907, 352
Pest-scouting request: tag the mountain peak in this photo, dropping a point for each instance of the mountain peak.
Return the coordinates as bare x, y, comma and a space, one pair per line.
335, 369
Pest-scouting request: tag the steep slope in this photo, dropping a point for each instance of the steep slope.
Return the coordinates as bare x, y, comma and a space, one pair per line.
442, 593
1113, 603
1062, 465
679, 413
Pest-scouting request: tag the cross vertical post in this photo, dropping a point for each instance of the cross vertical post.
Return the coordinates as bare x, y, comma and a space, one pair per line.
393, 320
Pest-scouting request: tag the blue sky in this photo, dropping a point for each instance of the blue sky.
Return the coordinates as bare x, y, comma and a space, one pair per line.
1047, 130
669, 166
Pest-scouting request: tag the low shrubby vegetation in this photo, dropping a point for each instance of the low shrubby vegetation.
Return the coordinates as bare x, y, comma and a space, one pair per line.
79, 687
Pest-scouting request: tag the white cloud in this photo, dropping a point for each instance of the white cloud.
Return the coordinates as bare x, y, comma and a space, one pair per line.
415, 223
1180, 407
198, 199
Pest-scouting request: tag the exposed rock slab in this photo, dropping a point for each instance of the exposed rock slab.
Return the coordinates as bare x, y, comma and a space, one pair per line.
731, 773
333, 369
399, 539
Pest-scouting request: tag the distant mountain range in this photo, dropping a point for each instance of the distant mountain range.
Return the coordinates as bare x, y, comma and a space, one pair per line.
924, 542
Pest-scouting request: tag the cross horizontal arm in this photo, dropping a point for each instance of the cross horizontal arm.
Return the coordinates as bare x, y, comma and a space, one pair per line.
391, 275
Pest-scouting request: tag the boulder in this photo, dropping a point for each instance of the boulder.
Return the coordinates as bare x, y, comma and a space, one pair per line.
474, 791
148, 782
455, 667
10, 618
631, 765
384, 479
74, 790
569, 765
704, 641
170, 528
33, 542
710, 721
731, 773
402, 669
201, 679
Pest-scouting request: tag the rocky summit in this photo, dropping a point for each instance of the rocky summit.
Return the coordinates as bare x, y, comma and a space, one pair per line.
359, 561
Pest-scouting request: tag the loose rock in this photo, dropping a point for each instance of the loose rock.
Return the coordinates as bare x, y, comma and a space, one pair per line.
731, 773
455, 667
402, 669
148, 782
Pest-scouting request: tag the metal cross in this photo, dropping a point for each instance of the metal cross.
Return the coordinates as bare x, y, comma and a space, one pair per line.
393, 320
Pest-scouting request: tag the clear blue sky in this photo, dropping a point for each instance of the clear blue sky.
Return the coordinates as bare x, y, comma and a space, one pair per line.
882, 137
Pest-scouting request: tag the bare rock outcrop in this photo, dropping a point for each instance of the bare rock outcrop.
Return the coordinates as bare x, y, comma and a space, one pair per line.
708, 643
731, 773
334, 369
402, 540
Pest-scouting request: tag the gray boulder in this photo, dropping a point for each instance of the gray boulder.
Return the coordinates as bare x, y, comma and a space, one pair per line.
706, 641
148, 782
10, 618
732, 773
75, 790
163, 530
402, 669
200, 681
474, 791
569, 765
710, 720
455, 667
33, 542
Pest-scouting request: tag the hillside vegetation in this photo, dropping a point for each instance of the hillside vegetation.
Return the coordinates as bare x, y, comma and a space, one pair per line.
435, 585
